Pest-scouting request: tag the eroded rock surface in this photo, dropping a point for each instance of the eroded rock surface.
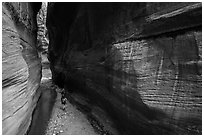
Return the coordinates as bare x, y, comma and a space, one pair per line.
42, 37
139, 61
21, 66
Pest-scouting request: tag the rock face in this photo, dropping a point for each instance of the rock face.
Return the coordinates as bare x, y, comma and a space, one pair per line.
21, 66
42, 41
140, 61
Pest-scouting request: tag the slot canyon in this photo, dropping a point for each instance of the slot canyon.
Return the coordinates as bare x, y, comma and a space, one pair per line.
101, 68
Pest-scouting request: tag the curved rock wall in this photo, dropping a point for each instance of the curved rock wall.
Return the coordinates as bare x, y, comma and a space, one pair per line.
21, 66
140, 61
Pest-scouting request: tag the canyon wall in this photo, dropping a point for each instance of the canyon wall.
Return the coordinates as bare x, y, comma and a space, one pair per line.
21, 66
139, 61
42, 37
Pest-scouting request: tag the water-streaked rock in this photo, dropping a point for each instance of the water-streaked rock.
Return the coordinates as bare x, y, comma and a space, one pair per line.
140, 61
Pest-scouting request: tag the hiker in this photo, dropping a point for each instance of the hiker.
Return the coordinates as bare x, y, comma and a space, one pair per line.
63, 99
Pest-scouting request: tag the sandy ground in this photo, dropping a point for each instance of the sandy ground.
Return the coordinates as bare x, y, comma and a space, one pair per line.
69, 121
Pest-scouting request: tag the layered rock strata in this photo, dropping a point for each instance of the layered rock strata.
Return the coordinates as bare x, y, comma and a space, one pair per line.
140, 61
21, 66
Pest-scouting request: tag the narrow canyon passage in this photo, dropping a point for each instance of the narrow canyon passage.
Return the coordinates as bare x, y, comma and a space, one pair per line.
77, 117
50, 116
101, 68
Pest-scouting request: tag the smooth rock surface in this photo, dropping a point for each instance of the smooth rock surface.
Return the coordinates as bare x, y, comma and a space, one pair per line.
21, 66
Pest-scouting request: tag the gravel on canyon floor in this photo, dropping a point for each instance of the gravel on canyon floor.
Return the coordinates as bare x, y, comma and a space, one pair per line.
78, 118
66, 119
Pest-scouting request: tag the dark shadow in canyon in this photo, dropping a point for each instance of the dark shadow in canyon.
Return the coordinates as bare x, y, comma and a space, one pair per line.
111, 91
135, 119
43, 110
81, 64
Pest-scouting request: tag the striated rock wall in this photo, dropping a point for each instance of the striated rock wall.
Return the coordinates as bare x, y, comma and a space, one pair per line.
21, 66
140, 61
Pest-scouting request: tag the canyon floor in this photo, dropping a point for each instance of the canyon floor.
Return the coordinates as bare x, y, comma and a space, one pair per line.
77, 117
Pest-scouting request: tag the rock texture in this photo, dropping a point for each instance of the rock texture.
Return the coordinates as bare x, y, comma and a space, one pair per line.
42, 37
21, 66
139, 61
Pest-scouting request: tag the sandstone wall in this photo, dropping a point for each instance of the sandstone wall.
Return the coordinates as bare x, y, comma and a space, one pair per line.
42, 38
140, 61
21, 66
